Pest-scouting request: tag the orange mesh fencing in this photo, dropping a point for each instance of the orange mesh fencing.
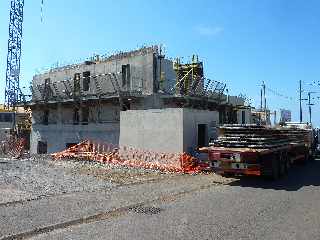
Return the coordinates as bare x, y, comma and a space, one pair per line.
131, 157
14, 147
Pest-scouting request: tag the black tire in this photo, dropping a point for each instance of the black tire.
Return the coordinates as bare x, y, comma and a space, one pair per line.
306, 159
227, 174
312, 157
287, 165
282, 165
275, 172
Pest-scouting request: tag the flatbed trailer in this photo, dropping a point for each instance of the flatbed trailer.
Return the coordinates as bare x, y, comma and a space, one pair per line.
270, 162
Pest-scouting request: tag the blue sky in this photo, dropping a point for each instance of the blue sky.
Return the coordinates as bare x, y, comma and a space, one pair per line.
241, 42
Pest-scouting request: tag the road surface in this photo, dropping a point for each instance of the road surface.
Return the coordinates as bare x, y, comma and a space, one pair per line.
189, 207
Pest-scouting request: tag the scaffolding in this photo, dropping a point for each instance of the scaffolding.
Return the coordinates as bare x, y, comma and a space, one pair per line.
189, 75
190, 80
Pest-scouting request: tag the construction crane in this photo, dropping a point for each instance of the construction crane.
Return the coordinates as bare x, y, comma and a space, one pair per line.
21, 120
12, 90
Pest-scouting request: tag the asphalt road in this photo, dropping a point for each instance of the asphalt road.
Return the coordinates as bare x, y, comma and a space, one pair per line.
247, 208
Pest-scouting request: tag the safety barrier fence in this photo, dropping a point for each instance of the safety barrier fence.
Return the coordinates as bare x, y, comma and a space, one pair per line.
131, 157
13, 147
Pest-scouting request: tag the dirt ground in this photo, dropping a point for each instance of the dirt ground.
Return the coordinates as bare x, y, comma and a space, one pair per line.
36, 177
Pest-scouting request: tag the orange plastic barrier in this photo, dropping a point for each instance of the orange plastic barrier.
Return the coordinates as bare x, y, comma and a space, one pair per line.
127, 156
14, 147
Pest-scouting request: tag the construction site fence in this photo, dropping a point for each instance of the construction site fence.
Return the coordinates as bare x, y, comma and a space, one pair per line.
13, 147
130, 157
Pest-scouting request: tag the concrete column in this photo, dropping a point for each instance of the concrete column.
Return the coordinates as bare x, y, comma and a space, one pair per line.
60, 114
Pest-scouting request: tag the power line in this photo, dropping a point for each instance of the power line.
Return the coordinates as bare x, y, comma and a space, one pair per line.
275, 92
41, 10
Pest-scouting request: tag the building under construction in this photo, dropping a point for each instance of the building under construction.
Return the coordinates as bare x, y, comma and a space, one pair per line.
137, 98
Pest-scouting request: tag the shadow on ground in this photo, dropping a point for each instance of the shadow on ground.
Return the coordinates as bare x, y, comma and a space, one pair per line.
299, 176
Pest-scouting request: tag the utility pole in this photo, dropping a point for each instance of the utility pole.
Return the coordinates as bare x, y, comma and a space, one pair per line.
264, 96
310, 104
261, 98
300, 99
265, 101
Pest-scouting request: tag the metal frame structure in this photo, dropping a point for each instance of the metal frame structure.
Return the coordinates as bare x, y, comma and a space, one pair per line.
191, 81
12, 90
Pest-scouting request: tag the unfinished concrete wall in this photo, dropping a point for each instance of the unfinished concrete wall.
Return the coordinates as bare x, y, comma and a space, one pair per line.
6, 120
60, 127
108, 113
58, 136
64, 114
192, 118
159, 130
244, 116
134, 71
167, 79
140, 77
166, 130
38, 116
6, 124
235, 101
153, 101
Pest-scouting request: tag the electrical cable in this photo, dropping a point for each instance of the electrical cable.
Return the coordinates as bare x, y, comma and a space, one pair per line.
280, 94
41, 11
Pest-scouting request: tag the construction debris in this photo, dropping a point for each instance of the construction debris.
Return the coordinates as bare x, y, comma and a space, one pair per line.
127, 156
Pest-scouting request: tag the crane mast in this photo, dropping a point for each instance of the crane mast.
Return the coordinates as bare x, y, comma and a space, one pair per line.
12, 90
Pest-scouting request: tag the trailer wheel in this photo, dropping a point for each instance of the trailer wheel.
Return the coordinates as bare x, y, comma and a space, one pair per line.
275, 172
282, 163
287, 164
227, 174
306, 159
311, 156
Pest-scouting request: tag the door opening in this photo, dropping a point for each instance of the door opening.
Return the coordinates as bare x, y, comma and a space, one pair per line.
202, 135
42, 147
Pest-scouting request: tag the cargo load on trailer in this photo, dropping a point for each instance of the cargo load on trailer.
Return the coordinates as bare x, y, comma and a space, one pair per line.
310, 134
258, 150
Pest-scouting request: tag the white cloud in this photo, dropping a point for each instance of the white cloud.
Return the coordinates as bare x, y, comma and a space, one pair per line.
208, 30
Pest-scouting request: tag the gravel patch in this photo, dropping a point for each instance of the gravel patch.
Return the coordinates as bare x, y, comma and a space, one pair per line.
37, 177
119, 175
33, 178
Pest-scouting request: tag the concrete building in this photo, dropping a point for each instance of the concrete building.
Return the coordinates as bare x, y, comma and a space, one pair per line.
261, 116
6, 124
244, 115
169, 129
115, 99
14, 124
